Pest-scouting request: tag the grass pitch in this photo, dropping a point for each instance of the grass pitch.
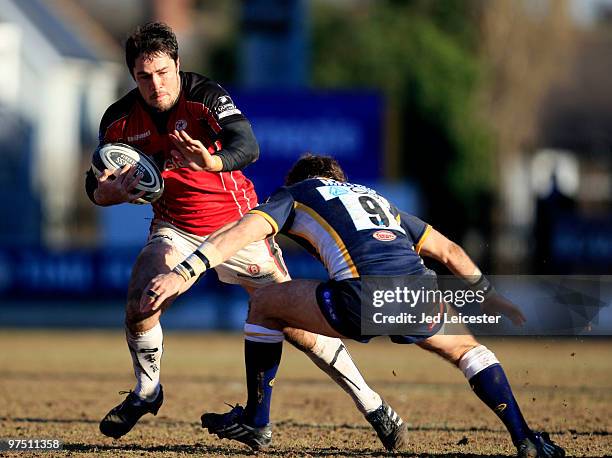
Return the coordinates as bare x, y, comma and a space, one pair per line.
59, 384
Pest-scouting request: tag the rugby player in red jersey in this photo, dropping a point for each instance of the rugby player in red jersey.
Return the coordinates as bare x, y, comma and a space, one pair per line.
169, 113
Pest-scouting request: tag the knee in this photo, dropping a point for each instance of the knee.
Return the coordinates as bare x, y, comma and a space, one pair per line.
452, 348
139, 322
142, 274
135, 320
255, 297
300, 339
461, 349
256, 306
263, 313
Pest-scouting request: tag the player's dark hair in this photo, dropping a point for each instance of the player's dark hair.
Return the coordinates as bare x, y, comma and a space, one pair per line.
311, 166
149, 40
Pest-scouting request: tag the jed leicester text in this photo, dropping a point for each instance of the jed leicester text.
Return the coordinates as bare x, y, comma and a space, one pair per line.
411, 318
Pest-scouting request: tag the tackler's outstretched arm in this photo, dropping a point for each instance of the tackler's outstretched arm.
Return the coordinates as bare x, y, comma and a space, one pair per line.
220, 246
455, 258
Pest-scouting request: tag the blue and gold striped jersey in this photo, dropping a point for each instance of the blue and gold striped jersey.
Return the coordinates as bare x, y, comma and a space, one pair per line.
351, 229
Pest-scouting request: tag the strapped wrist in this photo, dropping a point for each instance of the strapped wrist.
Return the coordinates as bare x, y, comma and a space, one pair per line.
483, 284
209, 254
205, 257
183, 271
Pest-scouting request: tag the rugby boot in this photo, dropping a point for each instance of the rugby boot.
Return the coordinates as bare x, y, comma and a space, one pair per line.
389, 426
122, 418
539, 446
231, 425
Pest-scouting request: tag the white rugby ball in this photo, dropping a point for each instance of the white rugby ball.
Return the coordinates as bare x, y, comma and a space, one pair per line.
113, 156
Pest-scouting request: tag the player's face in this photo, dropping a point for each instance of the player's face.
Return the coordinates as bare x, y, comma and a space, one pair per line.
158, 81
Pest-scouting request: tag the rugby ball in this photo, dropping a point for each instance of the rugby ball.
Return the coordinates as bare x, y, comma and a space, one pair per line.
113, 156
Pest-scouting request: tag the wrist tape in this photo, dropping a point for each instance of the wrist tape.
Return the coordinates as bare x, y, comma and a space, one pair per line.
483, 284
205, 257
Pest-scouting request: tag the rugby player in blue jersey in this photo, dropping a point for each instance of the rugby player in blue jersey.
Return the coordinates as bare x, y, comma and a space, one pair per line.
356, 233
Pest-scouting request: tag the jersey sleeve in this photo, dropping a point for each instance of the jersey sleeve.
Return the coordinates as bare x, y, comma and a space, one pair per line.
240, 146
277, 209
103, 131
91, 183
104, 124
220, 104
114, 119
415, 228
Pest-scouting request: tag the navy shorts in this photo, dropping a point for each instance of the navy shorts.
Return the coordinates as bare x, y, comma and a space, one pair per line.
340, 304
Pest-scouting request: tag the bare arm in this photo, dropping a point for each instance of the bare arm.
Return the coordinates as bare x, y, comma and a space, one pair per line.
233, 237
454, 257
220, 246
450, 254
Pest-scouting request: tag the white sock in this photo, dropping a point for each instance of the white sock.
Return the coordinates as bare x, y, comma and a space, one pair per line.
476, 360
256, 333
146, 349
333, 358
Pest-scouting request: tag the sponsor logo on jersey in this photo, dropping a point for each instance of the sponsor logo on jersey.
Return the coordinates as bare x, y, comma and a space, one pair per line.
337, 190
171, 164
180, 124
360, 189
253, 269
137, 137
384, 236
159, 236
256, 277
331, 192
356, 188
226, 107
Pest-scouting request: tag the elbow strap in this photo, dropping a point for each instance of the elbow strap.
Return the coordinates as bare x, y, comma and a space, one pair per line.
205, 257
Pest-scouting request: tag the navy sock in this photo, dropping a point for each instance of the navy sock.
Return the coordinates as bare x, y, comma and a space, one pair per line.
261, 361
492, 387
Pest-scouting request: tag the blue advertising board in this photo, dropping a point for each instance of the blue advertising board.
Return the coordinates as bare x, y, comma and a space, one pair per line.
39, 273
87, 288
287, 123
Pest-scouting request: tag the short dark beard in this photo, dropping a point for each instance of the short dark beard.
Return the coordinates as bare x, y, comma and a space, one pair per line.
173, 104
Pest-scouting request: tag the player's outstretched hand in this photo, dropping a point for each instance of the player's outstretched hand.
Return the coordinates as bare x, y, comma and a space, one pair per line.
193, 153
159, 289
498, 304
117, 186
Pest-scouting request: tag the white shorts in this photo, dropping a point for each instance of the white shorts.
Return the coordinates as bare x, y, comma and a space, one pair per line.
257, 264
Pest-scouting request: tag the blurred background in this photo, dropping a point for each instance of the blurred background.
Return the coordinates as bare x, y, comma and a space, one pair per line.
491, 120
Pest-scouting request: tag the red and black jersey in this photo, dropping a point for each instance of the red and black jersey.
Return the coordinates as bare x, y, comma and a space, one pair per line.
197, 202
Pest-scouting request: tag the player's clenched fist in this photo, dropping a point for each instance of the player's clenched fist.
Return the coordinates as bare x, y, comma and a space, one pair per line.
158, 290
